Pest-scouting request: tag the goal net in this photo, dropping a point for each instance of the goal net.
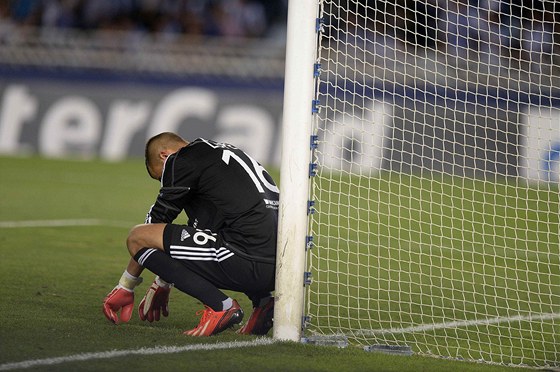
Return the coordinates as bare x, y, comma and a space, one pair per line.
434, 201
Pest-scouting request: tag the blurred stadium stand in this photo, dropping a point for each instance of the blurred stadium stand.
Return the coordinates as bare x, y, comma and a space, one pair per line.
457, 44
486, 58
237, 39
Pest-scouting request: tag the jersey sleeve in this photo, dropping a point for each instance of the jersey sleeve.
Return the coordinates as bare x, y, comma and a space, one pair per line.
168, 205
173, 193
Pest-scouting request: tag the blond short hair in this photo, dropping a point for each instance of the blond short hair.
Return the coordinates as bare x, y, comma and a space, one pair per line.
161, 142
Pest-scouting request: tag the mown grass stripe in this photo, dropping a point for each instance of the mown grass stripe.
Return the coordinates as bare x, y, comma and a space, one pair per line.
142, 351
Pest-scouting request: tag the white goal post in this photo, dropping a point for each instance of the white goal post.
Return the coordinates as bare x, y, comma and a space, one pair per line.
294, 179
420, 203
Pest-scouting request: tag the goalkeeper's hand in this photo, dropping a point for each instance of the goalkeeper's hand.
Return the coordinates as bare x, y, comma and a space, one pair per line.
121, 298
155, 302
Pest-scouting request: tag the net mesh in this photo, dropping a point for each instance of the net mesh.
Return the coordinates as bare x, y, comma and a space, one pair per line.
436, 201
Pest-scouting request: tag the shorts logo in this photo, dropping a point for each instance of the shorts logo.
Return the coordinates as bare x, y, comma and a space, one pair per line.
185, 235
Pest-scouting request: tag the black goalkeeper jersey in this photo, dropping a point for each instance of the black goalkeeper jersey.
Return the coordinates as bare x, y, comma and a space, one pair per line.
224, 190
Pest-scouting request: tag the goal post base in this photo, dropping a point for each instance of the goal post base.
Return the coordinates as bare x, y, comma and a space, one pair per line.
390, 349
340, 341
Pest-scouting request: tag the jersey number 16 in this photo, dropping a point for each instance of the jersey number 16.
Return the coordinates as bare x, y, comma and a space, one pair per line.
257, 176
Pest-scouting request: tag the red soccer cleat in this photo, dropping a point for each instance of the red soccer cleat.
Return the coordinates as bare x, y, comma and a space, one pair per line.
261, 319
213, 322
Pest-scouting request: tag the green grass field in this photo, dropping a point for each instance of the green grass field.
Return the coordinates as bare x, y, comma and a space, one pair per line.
452, 266
56, 272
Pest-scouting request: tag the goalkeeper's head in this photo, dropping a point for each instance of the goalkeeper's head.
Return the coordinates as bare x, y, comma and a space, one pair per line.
158, 148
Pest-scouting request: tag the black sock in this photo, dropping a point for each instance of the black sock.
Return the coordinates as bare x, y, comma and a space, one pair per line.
173, 271
256, 298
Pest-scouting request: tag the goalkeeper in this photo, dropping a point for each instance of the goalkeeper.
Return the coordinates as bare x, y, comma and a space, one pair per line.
229, 242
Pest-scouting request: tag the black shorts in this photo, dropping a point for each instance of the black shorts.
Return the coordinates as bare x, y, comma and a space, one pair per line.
204, 253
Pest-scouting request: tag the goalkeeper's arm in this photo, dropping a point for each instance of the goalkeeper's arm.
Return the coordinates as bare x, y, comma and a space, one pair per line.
168, 205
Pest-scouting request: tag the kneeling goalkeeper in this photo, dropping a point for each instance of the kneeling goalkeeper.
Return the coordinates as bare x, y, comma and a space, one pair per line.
229, 242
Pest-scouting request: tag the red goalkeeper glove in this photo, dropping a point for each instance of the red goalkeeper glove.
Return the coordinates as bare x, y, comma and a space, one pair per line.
121, 298
155, 302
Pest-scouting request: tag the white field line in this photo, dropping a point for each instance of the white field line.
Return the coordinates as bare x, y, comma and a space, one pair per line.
64, 223
259, 342
142, 351
461, 324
